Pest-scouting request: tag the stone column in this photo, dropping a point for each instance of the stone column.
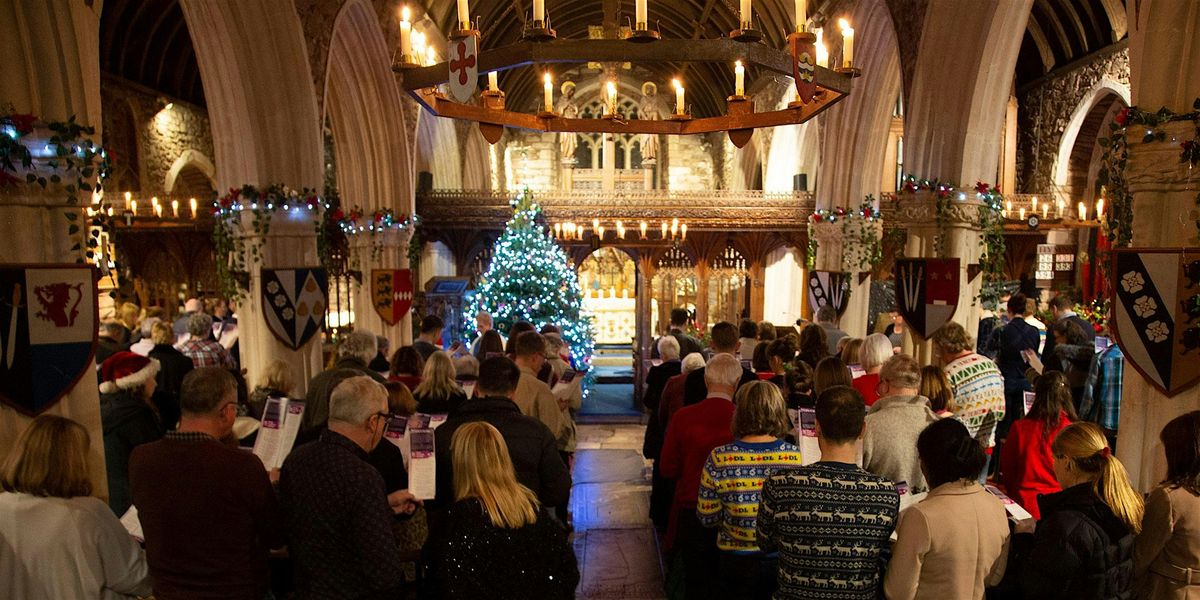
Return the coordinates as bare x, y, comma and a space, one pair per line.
52, 71
609, 181
383, 250
648, 173
702, 272
645, 334
843, 250
568, 174
758, 287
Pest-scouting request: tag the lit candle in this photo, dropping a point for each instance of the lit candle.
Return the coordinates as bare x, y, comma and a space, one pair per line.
674, 227
1082, 211
430, 55
405, 35
1045, 211
418, 45
1059, 209
1007, 208
595, 223
175, 208
558, 230
740, 79
822, 51
548, 90
612, 98
600, 232
746, 14
664, 230
678, 96
645, 225
464, 14
641, 20
128, 196
494, 81
621, 230
847, 44
154, 201
193, 202
1033, 203
158, 210
1021, 212
539, 10
801, 14
133, 206
683, 231
110, 211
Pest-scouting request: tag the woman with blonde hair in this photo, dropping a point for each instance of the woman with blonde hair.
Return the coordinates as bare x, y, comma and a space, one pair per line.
438, 392
59, 542
850, 348
731, 487
1083, 545
936, 387
276, 382
497, 541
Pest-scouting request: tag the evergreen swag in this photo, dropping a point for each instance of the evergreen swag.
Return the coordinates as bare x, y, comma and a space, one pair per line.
237, 249
866, 251
530, 279
1118, 220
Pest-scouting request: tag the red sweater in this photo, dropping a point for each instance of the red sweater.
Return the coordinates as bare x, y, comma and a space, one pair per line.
1026, 463
691, 436
866, 385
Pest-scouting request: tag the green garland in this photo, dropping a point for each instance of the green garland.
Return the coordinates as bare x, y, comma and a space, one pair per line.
991, 224
869, 249
232, 244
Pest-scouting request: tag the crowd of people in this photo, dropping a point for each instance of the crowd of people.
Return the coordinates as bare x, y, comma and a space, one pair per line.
897, 488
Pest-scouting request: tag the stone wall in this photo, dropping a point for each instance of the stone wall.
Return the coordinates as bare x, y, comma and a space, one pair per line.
1046, 106
161, 135
690, 163
534, 159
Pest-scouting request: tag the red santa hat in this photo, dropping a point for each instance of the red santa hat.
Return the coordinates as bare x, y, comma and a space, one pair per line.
125, 371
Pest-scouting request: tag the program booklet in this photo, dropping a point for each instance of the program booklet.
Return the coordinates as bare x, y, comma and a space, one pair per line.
1016, 512
280, 424
567, 384
422, 470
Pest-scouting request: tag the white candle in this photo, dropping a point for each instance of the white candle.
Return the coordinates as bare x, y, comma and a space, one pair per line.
1033, 203
193, 203
464, 14
539, 10
128, 196
801, 14
678, 96
1045, 210
1007, 208
674, 226
405, 35
430, 55
641, 20
133, 206
1021, 211
1100, 208
645, 225
1082, 211
494, 81
600, 232
847, 44
612, 98
175, 208
683, 231
1059, 209
548, 89
664, 230
822, 51
740, 79
158, 210
745, 13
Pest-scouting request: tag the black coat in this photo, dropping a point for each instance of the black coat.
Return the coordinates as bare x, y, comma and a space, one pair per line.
1080, 550
128, 423
533, 449
656, 380
173, 366
440, 405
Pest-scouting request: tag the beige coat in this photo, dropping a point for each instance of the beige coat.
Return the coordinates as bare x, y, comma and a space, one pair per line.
951, 545
534, 398
1169, 541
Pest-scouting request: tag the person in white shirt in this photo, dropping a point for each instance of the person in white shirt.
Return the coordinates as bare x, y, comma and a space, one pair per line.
56, 540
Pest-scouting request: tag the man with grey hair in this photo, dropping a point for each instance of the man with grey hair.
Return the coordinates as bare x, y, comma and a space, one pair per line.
895, 421
337, 511
379, 363
692, 434
354, 351
144, 344
827, 320
201, 347
483, 324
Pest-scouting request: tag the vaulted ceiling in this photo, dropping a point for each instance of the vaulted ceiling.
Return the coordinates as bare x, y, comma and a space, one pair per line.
1060, 32
147, 42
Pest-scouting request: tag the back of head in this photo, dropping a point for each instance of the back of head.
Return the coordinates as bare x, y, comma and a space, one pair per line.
162, 333
358, 344
205, 389
484, 317
668, 347
406, 361
1031, 306
781, 349
691, 362
431, 324
483, 470
813, 342
550, 328
199, 325
382, 345
761, 360
438, 379
147, 326
830, 371
529, 343
723, 370
357, 399
826, 314
875, 351
759, 409
901, 371
1052, 398
850, 350
949, 453
112, 329
936, 387
952, 338
1181, 443
277, 376
498, 376
841, 413
489, 343
800, 378
1084, 445
679, 317
514, 332
1061, 302
554, 344
1016, 304
1070, 331
400, 399
465, 367
193, 305
766, 331
747, 329
49, 459
724, 337
130, 313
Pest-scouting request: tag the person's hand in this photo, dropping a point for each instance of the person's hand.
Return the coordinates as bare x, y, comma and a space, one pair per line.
273, 475
1031, 357
1025, 526
403, 502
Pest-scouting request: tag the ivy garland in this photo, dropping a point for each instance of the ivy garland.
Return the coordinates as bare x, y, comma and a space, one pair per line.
1118, 220
991, 224
72, 156
359, 223
942, 193
237, 249
868, 253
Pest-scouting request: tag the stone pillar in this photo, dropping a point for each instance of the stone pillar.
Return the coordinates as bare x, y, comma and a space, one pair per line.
384, 250
702, 272
843, 250
644, 339
568, 174
52, 71
758, 287
609, 181
648, 173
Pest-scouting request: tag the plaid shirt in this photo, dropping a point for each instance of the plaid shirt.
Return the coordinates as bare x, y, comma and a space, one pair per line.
207, 353
1101, 401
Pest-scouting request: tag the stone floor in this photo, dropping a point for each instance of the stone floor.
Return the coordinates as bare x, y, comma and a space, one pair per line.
614, 540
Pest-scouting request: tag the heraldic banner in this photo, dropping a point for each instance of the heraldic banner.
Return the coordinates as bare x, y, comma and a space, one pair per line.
828, 288
48, 326
294, 303
927, 292
391, 293
1156, 314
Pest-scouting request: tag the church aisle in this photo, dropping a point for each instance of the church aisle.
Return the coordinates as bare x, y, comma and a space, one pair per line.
614, 540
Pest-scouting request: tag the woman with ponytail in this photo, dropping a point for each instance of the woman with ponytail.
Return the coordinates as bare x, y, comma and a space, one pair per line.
1083, 545
1166, 556
1026, 462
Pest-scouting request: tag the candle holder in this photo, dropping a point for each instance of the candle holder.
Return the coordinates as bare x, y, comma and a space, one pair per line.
493, 99
851, 71
546, 114
458, 34
746, 33
538, 31
641, 33
679, 117
403, 62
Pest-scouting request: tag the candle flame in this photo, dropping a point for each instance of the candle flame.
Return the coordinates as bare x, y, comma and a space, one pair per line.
404, 14
843, 24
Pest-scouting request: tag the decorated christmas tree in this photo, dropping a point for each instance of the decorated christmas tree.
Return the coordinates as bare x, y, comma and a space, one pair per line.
530, 279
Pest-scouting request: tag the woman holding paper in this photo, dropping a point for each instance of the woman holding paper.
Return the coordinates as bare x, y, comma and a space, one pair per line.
59, 541
1026, 462
497, 542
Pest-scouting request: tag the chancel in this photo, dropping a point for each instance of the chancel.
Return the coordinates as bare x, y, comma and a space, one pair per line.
600, 299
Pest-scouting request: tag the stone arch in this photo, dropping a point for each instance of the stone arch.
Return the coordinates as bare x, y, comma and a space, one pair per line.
794, 149
437, 144
1102, 93
362, 103
190, 159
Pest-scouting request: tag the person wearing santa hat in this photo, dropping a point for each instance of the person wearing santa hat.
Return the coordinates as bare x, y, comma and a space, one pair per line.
127, 383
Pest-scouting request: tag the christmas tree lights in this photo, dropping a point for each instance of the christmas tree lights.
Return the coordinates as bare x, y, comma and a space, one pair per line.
530, 279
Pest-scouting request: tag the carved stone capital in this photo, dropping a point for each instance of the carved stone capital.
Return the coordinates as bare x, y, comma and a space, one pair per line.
1155, 167
920, 209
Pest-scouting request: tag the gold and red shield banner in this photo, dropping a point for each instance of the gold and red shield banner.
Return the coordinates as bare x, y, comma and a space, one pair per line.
804, 67
391, 293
